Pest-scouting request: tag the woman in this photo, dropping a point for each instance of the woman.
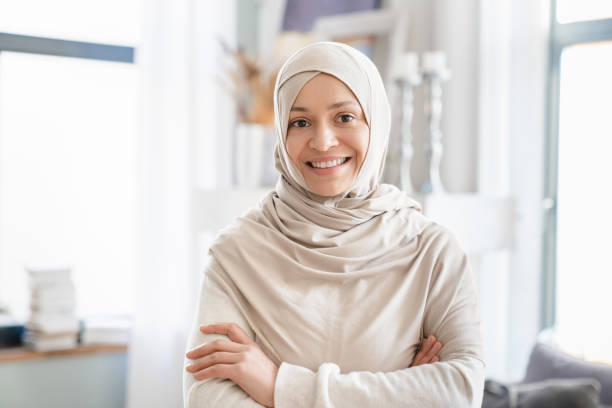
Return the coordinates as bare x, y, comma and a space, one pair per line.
321, 296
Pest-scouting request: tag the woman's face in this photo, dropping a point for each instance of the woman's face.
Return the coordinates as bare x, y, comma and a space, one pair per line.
327, 135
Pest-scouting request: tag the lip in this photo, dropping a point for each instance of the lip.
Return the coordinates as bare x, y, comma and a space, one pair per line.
329, 170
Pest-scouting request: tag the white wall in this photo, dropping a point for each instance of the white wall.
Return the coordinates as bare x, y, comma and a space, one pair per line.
455, 30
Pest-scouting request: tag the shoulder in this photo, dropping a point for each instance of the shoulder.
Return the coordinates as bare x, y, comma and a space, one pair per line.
440, 236
442, 248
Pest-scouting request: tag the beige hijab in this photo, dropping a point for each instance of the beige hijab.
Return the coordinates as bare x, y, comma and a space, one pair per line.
295, 242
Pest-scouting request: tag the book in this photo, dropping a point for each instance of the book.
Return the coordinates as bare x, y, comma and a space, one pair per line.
46, 274
106, 330
51, 296
67, 306
51, 344
53, 324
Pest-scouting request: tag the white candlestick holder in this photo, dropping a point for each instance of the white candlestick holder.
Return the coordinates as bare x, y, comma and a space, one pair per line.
435, 72
407, 78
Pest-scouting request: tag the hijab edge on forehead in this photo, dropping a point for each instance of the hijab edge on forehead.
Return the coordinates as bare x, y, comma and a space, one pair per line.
358, 73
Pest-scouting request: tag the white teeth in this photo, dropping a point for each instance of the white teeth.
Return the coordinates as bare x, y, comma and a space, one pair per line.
324, 165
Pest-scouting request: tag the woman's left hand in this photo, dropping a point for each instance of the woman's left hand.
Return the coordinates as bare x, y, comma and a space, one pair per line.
240, 360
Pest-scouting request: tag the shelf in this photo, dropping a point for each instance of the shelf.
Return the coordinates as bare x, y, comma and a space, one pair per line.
22, 354
481, 223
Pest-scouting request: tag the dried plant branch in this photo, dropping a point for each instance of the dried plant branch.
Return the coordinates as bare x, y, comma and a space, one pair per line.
253, 87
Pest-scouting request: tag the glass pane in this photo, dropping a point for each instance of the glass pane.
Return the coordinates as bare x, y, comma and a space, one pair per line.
569, 11
107, 21
67, 176
584, 265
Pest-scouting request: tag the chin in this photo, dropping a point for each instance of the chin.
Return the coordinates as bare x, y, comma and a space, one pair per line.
329, 191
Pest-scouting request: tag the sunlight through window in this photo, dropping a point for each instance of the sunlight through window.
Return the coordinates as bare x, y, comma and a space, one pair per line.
569, 11
584, 266
67, 176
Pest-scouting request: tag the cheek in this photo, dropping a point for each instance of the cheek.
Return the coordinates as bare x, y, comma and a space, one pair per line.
293, 147
363, 144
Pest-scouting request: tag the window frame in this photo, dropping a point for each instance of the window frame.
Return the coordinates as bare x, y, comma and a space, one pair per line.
562, 35
65, 48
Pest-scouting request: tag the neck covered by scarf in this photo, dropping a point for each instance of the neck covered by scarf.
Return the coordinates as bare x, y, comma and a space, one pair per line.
294, 241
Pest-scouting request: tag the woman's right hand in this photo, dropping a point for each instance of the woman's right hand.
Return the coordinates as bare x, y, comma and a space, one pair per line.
428, 351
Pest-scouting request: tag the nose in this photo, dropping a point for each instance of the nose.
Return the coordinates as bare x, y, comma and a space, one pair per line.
323, 138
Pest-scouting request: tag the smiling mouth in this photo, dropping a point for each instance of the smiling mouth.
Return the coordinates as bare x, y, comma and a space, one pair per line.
328, 164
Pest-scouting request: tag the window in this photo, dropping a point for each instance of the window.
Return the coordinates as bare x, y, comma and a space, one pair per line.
69, 114
569, 11
579, 270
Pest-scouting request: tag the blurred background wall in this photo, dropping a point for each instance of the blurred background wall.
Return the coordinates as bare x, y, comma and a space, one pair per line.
124, 168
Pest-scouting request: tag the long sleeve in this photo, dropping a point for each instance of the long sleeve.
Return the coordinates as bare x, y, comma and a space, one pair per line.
451, 313
214, 306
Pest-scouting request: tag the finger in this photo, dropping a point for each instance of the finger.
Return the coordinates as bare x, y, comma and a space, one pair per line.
217, 371
426, 345
220, 357
435, 359
231, 330
433, 351
211, 347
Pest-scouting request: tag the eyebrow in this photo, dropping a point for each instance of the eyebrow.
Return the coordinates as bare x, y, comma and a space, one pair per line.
332, 106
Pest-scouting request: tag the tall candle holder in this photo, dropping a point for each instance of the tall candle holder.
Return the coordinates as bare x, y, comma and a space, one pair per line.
408, 77
435, 72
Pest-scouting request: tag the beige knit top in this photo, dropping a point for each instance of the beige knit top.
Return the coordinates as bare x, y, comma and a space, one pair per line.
355, 340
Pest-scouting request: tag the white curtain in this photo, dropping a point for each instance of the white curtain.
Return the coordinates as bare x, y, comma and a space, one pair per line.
177, 58
513, 38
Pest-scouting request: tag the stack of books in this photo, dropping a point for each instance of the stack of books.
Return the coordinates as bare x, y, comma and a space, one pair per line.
106, 330
53, 324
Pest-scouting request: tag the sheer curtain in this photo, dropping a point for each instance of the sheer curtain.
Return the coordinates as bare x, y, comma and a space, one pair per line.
512, 77
177, 58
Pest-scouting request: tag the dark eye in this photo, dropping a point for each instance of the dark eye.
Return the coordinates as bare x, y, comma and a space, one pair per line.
346, 118
299, 123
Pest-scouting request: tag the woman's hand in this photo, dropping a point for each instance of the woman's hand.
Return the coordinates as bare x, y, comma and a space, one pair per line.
428, 351
240, 360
